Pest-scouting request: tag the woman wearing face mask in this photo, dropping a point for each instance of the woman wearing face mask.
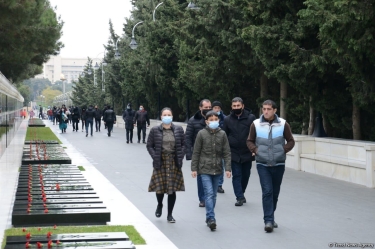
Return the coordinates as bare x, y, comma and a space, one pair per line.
210, 148
63, 119
166, 145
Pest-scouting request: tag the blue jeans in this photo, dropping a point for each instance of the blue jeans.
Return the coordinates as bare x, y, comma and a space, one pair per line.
89, 122
221, 181
241, 174
210, 185
270, 180
200, 189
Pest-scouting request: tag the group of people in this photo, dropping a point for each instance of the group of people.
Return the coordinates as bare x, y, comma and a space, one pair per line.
219, 145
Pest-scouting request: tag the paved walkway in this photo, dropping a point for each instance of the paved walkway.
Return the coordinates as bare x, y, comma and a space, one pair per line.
313, 211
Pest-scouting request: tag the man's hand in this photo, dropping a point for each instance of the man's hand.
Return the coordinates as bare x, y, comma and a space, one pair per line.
194, 174
228, 173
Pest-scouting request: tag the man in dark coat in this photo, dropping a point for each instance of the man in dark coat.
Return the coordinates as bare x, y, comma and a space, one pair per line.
237, 126
195, 124
128, 117
141, 119
40, 112
83, 117
90, 115
98, 117
109, 118
75, 118
54, 115
104, 109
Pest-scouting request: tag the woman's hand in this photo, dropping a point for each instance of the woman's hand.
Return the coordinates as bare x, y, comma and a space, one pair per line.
194, 174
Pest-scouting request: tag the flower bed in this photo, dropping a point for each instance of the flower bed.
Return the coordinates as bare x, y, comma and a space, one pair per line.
36, 122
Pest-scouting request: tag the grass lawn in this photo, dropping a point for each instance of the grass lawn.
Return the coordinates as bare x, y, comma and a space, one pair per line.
40, 133
133, 234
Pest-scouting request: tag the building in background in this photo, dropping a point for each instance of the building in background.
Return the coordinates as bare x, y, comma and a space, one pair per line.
70, 67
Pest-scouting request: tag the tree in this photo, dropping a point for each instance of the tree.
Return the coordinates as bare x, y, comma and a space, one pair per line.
49, 95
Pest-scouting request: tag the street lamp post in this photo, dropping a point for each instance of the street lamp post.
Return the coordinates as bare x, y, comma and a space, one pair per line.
153, 14
133, 44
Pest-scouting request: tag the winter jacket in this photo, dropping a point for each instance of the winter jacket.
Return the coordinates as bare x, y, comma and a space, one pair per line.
155, 141
98, 113
210, 148
221, 119
195, 124
109, 116
90, 114
83, 114
237, 130
141, 118
75, 113
128, 117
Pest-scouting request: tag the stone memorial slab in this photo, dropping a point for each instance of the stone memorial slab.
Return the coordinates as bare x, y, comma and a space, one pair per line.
84, 245
58, 201
56, 206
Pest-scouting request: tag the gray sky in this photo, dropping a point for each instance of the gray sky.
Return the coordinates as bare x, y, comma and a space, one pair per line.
86, 26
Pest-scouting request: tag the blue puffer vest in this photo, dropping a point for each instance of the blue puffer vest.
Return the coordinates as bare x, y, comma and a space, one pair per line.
270, 141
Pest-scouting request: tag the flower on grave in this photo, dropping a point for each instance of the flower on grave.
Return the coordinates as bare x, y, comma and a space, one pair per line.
29, 205
23, 229
39, 229
44, 205
54, 227
28, 235
29, 199
57, 187
27, 245
39, 245
58, 242
50, 244
46, 211
28, 210
49, 234
44, 199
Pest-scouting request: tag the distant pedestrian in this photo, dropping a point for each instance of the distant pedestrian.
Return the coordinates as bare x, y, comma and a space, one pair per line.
237, 127
83, 117
195, 124
75, 118
89, 119
54, 113
63, 119
128, 117
70, 117
109, 118
267, 142
217, 107
50, 114
31, 113
23, 113
210, 148
166, 145
98, 118
40, 112
104, 109
141, 119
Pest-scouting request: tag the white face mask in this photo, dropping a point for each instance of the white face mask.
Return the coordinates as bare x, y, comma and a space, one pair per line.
140, 108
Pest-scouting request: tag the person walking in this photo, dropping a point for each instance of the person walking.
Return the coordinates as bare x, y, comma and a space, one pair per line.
195, 124
54, 115
128, 117
210, 149
109, 118
237, 127
63, 119
23, 113
217, 107
31, 113
90, 115
40, 112
83, 117
50, 114
141, 119
98, 118
166, 146
75, 118
104, 109
266, 141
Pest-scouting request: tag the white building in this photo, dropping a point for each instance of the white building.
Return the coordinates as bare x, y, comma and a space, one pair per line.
70, 67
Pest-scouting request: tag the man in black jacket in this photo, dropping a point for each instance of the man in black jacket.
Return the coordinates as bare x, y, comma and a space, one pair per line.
109, 118
128, 117
90, 115
98, 117
75, 118
195, 124
237, 126
141, 118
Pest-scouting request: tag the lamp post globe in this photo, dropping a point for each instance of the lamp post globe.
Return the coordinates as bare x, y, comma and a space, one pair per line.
96, 67
133, 44
117, 55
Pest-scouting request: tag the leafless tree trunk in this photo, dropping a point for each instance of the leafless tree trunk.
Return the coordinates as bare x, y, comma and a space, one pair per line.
356, 122
327, 126
263, 89
283, 96
312, 119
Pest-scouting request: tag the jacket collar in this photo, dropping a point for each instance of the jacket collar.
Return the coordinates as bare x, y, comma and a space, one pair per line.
245, 114
212, 131
161, 127
276, 120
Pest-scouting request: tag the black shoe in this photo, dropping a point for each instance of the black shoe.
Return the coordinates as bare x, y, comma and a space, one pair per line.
138, 141
87, 134
202, 204
108, 134
268, 227
74, 130
127, 142
91, 134
131, 141
144, 142
220, 190
275, 225
211, 223
240, 202
170, 219
96, 131
159, 211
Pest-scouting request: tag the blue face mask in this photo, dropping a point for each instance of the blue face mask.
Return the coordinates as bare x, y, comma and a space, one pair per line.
166, 119
140, 108
213, 124
218, 113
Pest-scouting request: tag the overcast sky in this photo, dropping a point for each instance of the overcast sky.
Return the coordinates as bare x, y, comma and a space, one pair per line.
86, 26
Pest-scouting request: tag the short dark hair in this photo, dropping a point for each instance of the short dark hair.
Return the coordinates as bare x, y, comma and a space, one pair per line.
203, 100
271, 103
237, 99
210, 114
165, 109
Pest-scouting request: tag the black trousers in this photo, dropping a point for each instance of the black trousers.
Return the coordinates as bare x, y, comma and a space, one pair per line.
109, 127
97, 124
129, 132
83, 124
143, 129
75, 124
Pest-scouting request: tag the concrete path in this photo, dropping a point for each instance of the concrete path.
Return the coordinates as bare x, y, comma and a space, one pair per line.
313, 211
